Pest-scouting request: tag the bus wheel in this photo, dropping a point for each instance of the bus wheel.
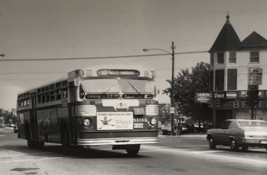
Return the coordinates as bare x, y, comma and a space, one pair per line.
39, 145
66, 146
30, 143
132, 150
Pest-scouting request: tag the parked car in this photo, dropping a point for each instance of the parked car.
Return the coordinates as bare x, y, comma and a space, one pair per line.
15, 127
191, 128
166, 128
183, 127
239, 133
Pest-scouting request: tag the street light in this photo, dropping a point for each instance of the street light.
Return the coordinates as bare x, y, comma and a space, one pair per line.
172, 83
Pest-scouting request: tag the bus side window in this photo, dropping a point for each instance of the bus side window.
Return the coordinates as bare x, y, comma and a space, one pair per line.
64, 93
43, 99
58, 94
52, 96
39, 100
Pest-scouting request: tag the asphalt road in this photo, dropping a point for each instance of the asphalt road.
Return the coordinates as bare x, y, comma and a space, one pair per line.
185, 155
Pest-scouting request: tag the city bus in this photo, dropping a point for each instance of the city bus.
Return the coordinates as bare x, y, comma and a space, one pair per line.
92, 107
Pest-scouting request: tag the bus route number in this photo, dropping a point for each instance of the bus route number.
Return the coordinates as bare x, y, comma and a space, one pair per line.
140, 120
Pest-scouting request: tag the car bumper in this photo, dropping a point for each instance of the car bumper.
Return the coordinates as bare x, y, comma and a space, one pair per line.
255, 141
117, 141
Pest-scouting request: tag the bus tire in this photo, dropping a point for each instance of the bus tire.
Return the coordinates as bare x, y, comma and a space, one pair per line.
66, 146
39, 145
132, 150
30, 143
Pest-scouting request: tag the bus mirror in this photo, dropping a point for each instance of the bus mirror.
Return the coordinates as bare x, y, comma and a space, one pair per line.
76, 82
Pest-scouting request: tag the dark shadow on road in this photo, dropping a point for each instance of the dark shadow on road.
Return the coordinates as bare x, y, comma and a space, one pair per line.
56, 151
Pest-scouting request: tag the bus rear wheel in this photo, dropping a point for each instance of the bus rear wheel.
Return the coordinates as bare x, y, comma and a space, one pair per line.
35, 144
132, 150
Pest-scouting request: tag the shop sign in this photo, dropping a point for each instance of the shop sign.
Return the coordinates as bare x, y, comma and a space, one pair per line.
231, 95
220, 95
202, 97
255, 76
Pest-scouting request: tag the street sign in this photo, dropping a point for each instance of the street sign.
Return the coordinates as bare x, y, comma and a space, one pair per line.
202, 97
172, 110
255, 76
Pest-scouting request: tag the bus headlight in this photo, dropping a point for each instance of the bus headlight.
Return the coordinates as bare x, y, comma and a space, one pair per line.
86, 122
153, 121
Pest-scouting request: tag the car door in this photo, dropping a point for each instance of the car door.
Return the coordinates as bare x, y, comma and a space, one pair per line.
226, 132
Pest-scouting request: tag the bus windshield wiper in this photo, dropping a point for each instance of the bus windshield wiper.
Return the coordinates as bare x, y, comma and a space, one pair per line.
134, 87
108, 89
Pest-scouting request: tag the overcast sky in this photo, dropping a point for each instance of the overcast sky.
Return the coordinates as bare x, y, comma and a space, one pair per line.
38, 29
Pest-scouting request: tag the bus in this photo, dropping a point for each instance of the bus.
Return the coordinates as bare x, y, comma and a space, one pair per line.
92, 107
2, 121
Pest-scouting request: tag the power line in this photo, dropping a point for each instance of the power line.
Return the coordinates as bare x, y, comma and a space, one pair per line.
105, 57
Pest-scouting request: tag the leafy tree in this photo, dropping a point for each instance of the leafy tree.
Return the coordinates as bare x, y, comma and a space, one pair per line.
185, 85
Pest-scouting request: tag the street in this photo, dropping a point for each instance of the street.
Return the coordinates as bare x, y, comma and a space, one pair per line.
173, 155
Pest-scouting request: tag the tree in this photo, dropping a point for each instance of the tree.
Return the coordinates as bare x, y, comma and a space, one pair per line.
185, 85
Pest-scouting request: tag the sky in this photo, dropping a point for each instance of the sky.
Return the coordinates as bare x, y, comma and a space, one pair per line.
52, 29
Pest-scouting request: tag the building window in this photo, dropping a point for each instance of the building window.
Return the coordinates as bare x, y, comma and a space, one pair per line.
254, 57
232, 57
220, 58
232, 79
211, 59
219, 80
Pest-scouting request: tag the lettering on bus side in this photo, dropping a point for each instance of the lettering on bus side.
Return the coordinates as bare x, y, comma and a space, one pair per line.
140, 120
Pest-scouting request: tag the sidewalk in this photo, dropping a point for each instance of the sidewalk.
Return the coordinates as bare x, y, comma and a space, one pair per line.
195, 134
192, 135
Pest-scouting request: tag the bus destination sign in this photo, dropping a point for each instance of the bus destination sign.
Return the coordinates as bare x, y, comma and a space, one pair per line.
117, 72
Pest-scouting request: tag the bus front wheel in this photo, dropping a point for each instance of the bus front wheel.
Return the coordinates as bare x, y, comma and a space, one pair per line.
132, 150
66, 146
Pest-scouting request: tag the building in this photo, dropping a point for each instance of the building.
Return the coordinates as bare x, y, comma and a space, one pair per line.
237, 66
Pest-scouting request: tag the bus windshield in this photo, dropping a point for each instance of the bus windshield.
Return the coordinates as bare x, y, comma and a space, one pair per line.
101, 85
136, 86
112, 86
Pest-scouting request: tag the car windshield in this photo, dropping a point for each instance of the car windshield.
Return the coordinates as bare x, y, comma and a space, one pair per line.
250, 123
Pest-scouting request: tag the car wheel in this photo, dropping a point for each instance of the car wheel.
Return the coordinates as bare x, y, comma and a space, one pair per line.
233, 145
244, 148
212, 144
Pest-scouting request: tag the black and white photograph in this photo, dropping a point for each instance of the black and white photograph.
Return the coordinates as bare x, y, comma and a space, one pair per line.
133, 87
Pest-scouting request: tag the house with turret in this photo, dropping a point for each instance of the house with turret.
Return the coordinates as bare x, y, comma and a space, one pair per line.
236, 67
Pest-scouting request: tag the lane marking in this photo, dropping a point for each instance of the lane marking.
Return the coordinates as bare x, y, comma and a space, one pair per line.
24, 154
206, 152
36, 159
240, 160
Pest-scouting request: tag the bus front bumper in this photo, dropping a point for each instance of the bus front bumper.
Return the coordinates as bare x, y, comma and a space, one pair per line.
117, 141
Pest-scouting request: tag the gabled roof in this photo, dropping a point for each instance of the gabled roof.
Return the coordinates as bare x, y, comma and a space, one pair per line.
227, 39
253, 41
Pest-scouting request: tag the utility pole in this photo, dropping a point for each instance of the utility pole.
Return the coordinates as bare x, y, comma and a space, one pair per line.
172, 88
172, 81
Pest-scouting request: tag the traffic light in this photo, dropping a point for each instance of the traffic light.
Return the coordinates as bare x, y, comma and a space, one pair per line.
218, 104
209, 104
253, 96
